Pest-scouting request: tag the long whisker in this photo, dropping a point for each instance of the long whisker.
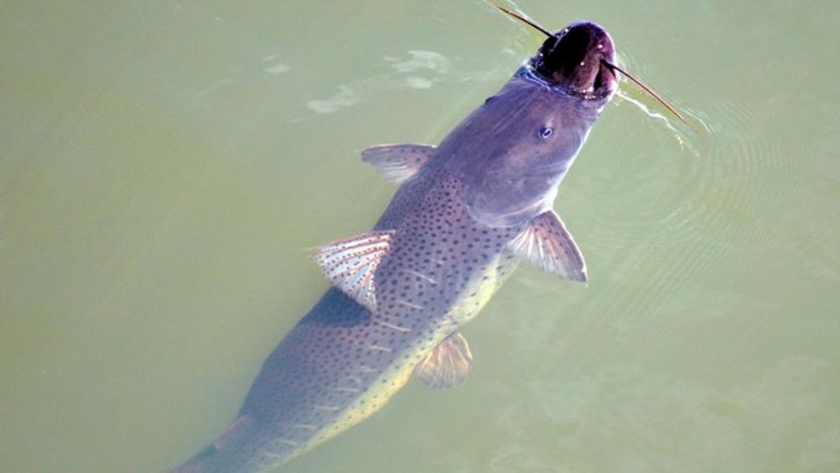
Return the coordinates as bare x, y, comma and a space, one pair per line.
646, 89
521, 18
609, 65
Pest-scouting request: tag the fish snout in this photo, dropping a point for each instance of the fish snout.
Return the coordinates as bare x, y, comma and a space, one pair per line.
577, 59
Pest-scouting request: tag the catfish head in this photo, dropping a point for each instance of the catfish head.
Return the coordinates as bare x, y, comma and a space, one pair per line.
513, 152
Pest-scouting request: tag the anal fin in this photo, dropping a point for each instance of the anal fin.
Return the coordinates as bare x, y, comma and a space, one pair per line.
547, 244
447, 364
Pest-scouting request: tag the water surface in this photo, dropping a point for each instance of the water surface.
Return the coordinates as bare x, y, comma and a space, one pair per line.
164, 166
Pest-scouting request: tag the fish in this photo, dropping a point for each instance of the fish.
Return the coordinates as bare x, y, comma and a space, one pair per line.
466, 212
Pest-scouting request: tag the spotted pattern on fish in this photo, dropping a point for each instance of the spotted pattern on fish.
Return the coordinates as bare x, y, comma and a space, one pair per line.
342, 362
465, 214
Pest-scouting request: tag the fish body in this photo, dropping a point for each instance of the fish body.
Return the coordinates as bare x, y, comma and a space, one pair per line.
467, 211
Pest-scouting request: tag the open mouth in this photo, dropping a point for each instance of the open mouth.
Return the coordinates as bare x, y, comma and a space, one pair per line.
605, 80
591, 83
577, 59
602, 84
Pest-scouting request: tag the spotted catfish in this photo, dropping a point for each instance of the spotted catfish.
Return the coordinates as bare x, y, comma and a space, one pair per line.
465, 213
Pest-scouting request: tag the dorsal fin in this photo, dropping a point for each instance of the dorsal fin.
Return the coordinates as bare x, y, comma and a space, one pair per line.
350, 264
547, 244
397, 163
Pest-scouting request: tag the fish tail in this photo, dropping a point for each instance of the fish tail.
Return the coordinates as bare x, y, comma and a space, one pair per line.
203, 462
234, 451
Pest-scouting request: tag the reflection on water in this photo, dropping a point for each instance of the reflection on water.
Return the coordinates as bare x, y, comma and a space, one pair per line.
165, 166
403, 77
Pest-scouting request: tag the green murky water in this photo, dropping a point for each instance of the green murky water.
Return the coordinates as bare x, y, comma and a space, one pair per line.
163, 165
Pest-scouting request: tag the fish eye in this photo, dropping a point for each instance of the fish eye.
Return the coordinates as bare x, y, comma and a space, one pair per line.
545, 132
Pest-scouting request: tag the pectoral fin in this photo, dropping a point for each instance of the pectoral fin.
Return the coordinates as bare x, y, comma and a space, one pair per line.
397, 163
547, 244
351, 264
448, 363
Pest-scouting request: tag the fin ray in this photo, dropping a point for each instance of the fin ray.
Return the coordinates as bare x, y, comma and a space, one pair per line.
350, 264
397, 163
547, 244
447, 364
